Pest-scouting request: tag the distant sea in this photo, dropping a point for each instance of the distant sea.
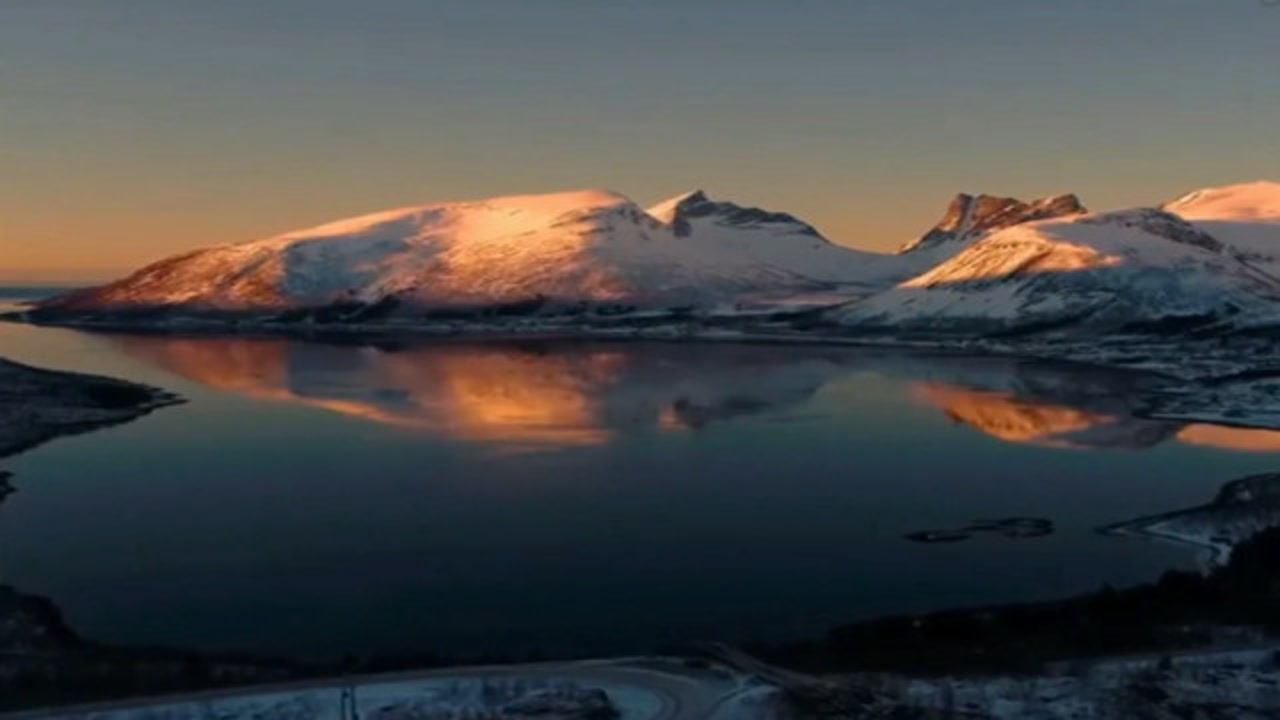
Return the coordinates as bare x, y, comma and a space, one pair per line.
32, 292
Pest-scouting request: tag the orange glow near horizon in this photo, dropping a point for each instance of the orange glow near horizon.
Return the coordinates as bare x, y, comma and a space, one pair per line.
128, 137
90, 245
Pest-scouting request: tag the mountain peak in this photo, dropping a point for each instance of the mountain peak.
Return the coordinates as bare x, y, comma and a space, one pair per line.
1243, 202
969, 216
665, 211
557, 250
1159, 223
679, 211
501, 210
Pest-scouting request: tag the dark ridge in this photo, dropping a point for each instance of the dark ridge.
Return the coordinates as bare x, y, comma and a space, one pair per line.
1160, 223
968, 216
698, 205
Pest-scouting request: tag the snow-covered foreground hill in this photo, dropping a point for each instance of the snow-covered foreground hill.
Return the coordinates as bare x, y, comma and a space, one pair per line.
1044, 277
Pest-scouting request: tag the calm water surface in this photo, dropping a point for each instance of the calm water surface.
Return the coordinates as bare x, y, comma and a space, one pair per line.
578, 497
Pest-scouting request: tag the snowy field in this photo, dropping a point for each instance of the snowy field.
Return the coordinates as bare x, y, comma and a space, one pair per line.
1238, 685
589, 690
1226, 685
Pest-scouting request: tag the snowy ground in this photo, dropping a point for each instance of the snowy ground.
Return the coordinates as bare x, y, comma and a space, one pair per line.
1235, 685
1239, 685
634, 689
1242, 509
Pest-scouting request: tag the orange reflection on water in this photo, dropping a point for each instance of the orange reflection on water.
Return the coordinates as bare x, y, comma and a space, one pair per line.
531, 396
1019, 419
1231, 438
466, 392
1008, 417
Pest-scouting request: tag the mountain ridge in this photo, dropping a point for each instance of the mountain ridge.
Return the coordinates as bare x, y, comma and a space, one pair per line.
594, 246
970, 216
1120, 271
993, 272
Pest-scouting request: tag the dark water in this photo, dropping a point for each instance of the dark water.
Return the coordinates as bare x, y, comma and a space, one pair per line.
578, 497
20, 293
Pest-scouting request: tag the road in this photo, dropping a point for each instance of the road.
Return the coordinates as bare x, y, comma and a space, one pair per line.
645, 689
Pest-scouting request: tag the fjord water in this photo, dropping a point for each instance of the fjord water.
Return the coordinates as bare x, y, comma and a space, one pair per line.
578, 497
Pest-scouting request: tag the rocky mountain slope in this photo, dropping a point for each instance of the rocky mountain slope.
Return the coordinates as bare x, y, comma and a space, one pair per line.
1245, 218
970, 217
777, 240
1144, 271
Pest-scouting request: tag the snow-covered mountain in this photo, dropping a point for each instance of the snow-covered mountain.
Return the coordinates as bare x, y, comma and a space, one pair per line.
590, 251
588, 248
776, 240
1144, 270
970, 217
1244, 217
1002, 273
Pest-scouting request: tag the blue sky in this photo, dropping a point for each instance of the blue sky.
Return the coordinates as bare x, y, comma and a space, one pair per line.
133, 130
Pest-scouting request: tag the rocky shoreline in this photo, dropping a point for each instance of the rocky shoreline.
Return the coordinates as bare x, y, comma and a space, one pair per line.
1181, 611
1189, 645
37, 648
38, 405
44, 662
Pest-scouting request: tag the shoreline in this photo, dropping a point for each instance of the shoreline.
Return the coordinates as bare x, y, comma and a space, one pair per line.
58, 403
1194, 396
1185, 619
1176, 358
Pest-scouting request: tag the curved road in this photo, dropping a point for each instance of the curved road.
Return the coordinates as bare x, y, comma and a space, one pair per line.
635, 685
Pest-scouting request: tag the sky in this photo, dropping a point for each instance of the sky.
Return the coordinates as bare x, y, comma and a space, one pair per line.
134, 130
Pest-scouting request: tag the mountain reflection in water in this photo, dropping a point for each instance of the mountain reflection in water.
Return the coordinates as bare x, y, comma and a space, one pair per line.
524, 395
383, 498
1106, 411
547, 395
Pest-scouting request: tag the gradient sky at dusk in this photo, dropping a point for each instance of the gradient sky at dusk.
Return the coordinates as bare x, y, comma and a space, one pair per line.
133, 130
